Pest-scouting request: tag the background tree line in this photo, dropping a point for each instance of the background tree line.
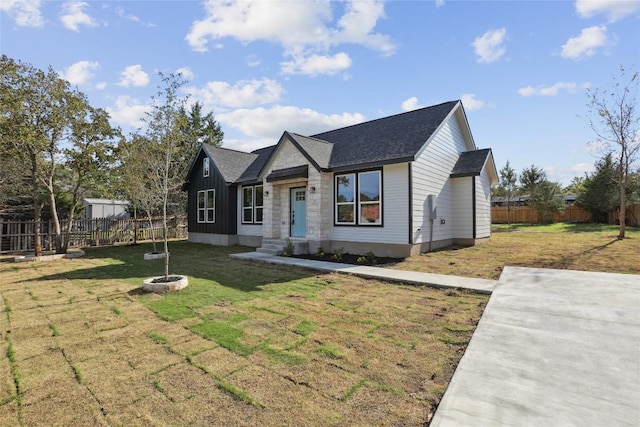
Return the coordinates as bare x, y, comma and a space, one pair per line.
614, 185
56, 149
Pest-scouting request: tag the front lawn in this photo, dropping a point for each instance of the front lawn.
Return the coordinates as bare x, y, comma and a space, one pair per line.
244, 344
588, 247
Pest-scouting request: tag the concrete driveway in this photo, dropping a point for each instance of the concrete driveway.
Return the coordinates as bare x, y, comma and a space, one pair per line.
553, 348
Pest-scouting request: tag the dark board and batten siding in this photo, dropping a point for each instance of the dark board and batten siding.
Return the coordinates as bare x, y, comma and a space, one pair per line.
226, 209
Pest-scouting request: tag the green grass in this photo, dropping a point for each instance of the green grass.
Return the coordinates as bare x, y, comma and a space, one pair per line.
304, 328
77, 374
353, 389
54, 330
565, 227
160, 339
224, 334
239, 394
331, 352
116, 311
282, 356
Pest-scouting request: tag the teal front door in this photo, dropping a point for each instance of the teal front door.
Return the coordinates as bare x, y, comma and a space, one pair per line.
298, 212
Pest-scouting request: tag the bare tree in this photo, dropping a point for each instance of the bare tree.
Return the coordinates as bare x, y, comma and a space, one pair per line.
614, 118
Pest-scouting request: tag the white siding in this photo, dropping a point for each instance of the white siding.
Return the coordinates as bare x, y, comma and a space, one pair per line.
395, 200
462, 208
430, 175
245, 229
483, 205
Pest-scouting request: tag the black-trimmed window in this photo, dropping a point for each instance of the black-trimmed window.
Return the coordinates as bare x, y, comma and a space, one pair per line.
359, 198
252, 204
207, 206
205, 167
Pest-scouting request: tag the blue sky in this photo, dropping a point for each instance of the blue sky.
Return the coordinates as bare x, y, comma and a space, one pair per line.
521, 68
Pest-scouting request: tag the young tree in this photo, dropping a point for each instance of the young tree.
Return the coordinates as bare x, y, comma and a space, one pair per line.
614, 118
548, 199
530, 180
140, 192
508, 181
165, 139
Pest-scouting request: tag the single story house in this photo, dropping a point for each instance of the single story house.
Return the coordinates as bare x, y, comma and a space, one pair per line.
394, 186
105, 208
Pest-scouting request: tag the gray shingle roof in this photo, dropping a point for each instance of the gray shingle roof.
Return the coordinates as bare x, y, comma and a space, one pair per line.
397, 137
318, 150
386, 140
230, 163
251, 173
470, 163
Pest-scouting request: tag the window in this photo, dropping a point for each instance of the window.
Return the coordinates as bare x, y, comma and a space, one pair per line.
259, 204
205, 167
252, 204
369, 198
358, 198
247, 204
345, 200
207, 206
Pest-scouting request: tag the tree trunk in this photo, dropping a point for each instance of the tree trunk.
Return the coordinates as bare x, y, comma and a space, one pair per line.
54, 216
623, 210
166, 242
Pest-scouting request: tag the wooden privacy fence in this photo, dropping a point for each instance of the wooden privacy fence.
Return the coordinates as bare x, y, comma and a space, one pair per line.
18, 236
522, 214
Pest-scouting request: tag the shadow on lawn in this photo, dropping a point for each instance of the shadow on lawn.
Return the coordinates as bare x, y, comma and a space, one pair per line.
197, 261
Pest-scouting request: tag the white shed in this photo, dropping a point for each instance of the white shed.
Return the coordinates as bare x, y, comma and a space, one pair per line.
105, 208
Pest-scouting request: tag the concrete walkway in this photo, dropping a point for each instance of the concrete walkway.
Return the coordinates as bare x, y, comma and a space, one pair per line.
553, 347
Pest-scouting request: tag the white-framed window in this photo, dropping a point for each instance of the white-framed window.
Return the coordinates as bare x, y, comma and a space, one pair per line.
259, 203
205, 167
346, 199
359, 198
247, 205
207, 206
252, 204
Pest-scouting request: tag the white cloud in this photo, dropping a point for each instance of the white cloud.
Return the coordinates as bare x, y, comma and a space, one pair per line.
552, 90
411, 104
439, 3
613, 9
253, 61
25, 13
73, 16
271, 122
582, 168
133, 18
186, 72
586, 44
101, 86
489, 47
246, 93
80, 72
317, 64
133, 75
128, 111
470, 102
308, 35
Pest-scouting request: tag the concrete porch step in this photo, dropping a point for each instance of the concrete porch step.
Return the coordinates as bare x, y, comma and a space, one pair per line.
277, 246
270, 251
